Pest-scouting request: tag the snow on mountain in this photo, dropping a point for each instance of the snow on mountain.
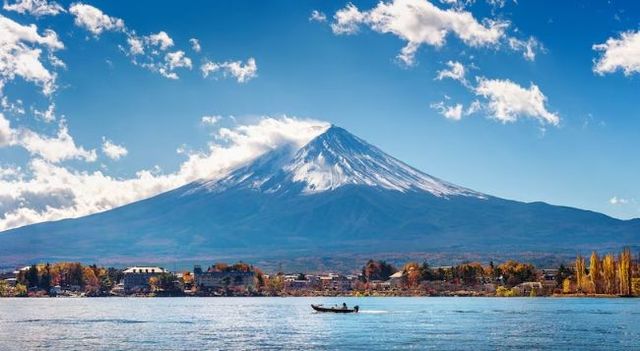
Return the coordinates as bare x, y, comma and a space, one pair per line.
331, 160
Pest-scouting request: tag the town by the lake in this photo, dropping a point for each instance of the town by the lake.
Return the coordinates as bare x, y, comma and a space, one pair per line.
606, 276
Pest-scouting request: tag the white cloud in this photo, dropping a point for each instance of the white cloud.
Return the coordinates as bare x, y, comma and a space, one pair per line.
48, 115
146, 51
20, 51
54, 192
419, 22
241, 72
136, 45
167, 67
621, 53
455, 71
317, 16
94, 20
177, 59
508, 101
7, 134
619, 201
160, 39
527, 47
11, 173
450, 112
210, 120
195, 44
53, 149
15, 108
113, 151
35, 8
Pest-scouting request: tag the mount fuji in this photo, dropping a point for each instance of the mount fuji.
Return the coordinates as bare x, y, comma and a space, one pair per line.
336, 195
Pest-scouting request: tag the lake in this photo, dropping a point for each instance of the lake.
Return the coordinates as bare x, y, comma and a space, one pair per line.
434, 323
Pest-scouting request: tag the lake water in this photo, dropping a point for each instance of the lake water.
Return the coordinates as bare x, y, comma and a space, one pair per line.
289, 323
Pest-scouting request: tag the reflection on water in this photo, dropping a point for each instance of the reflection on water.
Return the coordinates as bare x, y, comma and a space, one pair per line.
289, 323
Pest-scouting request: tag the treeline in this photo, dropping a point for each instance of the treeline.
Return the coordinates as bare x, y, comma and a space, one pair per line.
509, 273
609, 275
91, 280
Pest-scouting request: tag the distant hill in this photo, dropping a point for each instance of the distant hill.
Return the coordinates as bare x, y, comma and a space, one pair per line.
337, 195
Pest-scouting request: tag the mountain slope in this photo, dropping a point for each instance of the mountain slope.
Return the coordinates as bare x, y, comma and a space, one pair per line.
335, 195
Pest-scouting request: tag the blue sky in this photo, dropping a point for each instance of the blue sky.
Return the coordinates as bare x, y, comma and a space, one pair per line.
559, 125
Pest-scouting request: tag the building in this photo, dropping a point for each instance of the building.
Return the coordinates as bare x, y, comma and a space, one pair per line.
216, 280
333, 281
137, 278
396, 280
526, 288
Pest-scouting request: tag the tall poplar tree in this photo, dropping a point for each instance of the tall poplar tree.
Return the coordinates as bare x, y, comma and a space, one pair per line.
595, 273
609, 274
580, 274
624, 272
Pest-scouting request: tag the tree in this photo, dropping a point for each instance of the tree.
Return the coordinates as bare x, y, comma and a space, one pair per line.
580, 274
32, 276
595, 273
609, 274
45, 278
515, 273
377, 270
567, 286
624, 272
5, 290
90, 281
20, 290
154, 283
412, 274
564, 273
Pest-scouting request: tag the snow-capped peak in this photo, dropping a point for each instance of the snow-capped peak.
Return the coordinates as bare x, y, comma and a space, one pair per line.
333, 159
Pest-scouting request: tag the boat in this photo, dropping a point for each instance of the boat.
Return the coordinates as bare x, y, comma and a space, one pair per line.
320, 308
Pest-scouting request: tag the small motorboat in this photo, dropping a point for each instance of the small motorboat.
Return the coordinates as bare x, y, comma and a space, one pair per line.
336, 309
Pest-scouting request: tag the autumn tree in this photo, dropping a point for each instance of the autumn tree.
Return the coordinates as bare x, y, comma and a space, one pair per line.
515, 273
20, 290
581, 274
377, 270
412, 274
624, 272
90, 281
595, 273
567, 286
154, 283
5, 289
609, 274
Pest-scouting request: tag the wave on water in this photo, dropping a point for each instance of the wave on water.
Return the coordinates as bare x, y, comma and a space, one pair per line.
373, 311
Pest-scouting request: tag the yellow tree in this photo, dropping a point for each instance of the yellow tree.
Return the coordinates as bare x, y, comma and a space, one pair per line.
580, 274
154, 283
91, 282
567, 286
624, 272
609, 274
595, 273
412, 274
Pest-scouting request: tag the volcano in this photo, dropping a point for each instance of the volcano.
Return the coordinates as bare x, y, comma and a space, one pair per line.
335, 195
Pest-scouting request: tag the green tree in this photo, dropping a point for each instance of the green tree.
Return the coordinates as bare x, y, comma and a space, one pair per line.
32, 276
45, 278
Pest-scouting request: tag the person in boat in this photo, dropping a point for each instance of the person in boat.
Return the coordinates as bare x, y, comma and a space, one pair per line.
344, 306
